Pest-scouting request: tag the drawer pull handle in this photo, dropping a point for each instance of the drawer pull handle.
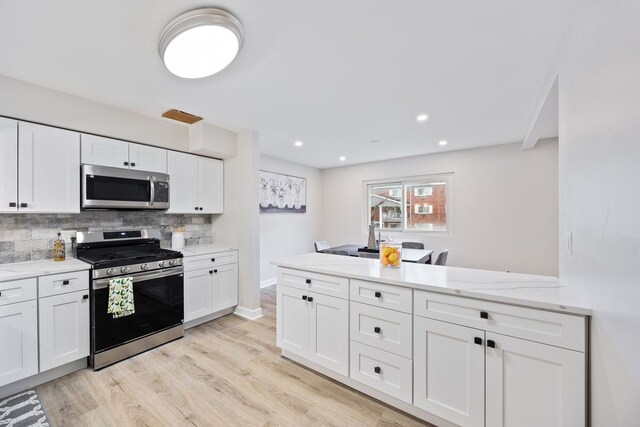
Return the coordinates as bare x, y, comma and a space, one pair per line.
133, 164
477, 340
213, 260
126, 163
377, 329
377, 369
196, 208
491, 343
85, 296
23, 205
304, 297
215, 271
484, 315
310, 299
308, 281
65, 282
378, 294
12, 204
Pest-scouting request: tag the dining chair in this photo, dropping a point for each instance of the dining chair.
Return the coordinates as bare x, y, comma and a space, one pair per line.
368, 255
413, 245
332, 252
321, 245
442, 258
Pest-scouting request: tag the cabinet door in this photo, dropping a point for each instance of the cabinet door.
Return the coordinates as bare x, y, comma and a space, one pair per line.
64, 329
183, 173
8, 165
197, 294
210, 185
19, 338
225, 287
449, 371
292, 321
49, 169
530, 384
329, 332
146, 158
97, 150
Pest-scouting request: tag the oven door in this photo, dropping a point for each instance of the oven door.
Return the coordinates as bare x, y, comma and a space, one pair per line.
113, 188
158, 297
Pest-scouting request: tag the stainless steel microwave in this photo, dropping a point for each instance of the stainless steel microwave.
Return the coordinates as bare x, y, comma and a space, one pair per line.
112, 188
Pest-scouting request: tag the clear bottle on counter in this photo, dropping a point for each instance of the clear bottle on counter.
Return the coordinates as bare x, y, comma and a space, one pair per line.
391, 255
59, 250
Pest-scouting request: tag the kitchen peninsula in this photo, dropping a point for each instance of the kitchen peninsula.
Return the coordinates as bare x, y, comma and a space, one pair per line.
452, 346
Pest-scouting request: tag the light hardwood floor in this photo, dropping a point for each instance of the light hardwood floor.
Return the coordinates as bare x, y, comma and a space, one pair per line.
224, 373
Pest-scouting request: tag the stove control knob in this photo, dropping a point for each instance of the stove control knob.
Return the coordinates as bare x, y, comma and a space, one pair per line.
125, 269
162, 264
173, 262
144, 267
111, 271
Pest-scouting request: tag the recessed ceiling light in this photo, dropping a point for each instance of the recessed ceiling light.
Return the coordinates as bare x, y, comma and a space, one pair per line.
342, 158
298, 143
442, 142
422, 118
200, 43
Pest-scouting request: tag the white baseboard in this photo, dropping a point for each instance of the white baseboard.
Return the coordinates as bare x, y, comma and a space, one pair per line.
247, 313
268, 282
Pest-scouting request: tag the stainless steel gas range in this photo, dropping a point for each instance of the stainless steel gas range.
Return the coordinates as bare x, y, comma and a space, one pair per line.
158, 292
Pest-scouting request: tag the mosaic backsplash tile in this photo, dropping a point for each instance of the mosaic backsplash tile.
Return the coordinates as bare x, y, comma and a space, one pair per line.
30, 237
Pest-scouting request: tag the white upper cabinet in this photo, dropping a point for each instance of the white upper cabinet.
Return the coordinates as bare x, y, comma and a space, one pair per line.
100, 151
196, 184
146, 158
183, 173
97, 150
210, 185
8, 165
48, 169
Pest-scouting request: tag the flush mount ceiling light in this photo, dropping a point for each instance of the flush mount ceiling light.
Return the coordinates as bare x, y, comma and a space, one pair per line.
422, 118
298, 143
442, 142
201, 42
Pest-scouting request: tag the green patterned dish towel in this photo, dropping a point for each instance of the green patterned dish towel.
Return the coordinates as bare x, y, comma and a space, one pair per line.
121, 297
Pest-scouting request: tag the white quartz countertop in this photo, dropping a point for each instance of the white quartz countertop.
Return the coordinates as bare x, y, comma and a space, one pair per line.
25, 270
194, 250
543, 292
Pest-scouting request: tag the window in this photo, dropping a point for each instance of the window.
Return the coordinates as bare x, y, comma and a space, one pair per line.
413, 204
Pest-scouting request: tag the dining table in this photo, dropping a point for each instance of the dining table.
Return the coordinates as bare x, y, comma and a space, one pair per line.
421, 256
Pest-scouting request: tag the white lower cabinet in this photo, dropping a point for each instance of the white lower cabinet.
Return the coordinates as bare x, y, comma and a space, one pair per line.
314, 326
19, 338
449, 371
211, 289
64, 329
530, 384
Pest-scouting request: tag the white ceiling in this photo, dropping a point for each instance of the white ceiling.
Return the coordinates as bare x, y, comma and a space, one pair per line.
334, 74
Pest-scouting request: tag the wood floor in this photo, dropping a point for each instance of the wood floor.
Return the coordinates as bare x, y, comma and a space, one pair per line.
224, 373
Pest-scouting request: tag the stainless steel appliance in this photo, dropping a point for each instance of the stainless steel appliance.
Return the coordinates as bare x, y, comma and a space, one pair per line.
158, 292
112, 188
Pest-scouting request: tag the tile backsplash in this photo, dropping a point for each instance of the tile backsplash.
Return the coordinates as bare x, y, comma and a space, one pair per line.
30, 237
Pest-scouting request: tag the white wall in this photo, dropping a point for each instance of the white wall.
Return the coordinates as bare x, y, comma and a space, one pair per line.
239, 225
504, 206
287, 234
599, 163
26, 101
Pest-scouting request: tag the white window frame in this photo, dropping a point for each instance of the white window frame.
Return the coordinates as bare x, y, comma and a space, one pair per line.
405, 181
423, 206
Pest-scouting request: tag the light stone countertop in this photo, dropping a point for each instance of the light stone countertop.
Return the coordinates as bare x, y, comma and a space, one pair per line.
28, 269
543, 292
195, 250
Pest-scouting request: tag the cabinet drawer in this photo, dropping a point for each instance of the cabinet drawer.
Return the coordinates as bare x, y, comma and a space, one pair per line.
562, 330
58, 284
314, 282
384, 371
210, 260
18, 291
381, 328
378, 294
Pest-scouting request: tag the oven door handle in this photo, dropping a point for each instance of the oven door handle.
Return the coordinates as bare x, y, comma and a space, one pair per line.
141, 277
152, 183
